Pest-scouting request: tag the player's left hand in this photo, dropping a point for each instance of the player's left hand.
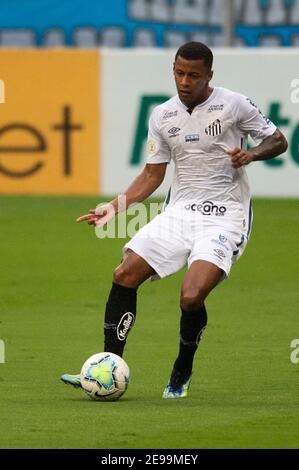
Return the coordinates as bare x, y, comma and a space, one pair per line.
239, 157
99, 216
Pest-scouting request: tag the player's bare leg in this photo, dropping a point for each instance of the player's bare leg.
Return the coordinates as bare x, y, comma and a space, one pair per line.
200, 279
132, 271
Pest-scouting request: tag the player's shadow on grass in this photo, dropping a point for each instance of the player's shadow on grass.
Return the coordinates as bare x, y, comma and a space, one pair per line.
89, 401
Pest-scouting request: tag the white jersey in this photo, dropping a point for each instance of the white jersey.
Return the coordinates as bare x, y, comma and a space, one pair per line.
197, 144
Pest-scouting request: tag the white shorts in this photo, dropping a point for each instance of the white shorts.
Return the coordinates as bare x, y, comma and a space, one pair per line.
177, 237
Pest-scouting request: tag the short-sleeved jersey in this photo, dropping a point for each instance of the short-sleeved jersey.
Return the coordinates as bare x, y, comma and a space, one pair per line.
197, 144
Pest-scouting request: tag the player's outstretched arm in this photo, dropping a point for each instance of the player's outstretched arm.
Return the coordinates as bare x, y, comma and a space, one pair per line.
141, 188
270, 147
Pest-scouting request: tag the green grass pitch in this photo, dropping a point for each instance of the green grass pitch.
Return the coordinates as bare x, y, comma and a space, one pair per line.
55, 277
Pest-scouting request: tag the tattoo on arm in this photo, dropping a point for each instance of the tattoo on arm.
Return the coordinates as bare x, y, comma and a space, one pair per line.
270, 147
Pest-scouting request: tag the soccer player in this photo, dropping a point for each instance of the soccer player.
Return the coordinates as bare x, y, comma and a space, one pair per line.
207, 219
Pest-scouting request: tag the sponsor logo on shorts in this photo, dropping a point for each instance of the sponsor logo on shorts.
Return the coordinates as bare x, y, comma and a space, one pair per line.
192, 138
221, 241
174, 132
207, 208
170, 114
219, 254
124, 326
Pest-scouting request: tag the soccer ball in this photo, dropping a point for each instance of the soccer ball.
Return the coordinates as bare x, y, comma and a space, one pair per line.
105, 376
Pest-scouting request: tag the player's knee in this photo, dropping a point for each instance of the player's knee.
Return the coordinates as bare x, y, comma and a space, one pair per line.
123, 276
192, 299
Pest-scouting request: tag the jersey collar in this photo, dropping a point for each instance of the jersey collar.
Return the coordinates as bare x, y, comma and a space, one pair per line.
211, 97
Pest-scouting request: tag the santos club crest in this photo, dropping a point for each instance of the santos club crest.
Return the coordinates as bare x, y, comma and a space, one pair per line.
214, 128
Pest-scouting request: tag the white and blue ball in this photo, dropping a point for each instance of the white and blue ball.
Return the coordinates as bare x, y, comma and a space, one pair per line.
105, 376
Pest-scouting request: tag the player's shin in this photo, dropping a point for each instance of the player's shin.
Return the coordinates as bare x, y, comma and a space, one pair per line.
119, 317
192, 326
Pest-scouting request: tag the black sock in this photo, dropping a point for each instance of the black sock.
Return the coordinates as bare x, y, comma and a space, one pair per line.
119, 317
192, 326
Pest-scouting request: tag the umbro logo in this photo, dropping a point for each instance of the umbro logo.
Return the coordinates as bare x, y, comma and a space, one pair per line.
174, 131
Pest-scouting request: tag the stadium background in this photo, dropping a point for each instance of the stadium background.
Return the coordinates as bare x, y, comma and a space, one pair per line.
78, 81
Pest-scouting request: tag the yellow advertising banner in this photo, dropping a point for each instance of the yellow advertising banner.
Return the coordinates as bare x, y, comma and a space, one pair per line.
49, 122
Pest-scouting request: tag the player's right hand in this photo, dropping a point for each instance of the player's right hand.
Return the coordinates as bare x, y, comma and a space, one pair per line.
99, 216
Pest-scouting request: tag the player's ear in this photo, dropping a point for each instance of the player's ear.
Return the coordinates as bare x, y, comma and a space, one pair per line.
210, 75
